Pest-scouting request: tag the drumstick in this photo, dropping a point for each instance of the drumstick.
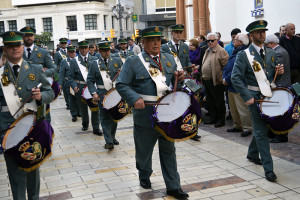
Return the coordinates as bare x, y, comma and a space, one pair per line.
154, 104
276, 74
7, 129
22, 105
116, 76
266, 101
175, 83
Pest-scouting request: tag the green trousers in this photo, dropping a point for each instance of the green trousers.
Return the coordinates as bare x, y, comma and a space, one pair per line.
109, 126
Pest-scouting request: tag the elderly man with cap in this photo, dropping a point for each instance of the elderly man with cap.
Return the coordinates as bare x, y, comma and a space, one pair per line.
77, 75
252, 65
65, 84
124, 53
18, 81
62, 53
102, 72
137, 85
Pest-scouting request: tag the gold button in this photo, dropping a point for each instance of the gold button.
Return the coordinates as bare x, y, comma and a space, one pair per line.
19, 88
20, 99
142, 77
267, 72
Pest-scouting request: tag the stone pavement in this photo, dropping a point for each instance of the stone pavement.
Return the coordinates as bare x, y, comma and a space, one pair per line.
213, 169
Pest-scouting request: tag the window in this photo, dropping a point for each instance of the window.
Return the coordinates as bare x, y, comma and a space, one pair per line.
90, 22
165, 5
112, 22
72, 23
30, 22
2, 28
12, 25
48, 25
104, 21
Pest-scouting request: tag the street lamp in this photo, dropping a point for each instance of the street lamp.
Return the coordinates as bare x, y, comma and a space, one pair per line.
68, 30
118, 11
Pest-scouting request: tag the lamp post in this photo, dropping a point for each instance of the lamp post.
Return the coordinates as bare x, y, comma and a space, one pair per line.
118, 11
68, 30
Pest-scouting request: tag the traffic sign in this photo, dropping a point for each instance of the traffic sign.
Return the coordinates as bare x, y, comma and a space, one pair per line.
134, 18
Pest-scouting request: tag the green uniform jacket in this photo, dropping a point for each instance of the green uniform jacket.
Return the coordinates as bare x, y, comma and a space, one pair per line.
24, 85
63, 70
94, 76
122, 55
242, 70
42, 56
59, 56
74, 74
135, 80
184, 55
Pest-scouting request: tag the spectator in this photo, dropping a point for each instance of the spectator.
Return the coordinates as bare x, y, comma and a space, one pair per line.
113, 48
92, 50
133, 47
219, 39
229, 47
282, 30
292, 45
214, 61
201, 39
203, 46
194, 51
239, 111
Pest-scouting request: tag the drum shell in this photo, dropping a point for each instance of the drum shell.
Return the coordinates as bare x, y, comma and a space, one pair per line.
282, 124
42, 134
173, 130
93, 105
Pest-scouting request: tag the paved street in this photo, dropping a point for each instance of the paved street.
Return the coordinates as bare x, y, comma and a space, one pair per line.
215, 168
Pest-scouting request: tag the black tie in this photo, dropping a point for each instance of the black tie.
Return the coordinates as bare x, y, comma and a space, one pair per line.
16, 67
29, 52
155, 58
262, 54
125, 53
105, 62
85, 60
177, 47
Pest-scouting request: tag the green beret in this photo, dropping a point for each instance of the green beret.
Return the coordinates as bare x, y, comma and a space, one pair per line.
155, 31
83, 43
63, 40
122, 41
257, 25
71, 48
28, 30
105, 45
177, 27
12, 37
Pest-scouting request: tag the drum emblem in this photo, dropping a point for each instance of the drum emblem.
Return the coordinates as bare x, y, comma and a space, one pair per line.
5, 81
189, 123
30, 152
256, 66
123, 107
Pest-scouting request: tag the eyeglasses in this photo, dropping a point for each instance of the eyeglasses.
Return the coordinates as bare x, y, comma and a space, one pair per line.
211, 41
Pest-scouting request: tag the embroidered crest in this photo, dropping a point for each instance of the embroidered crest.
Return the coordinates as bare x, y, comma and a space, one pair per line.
5, 81
261, 22
256, 66
106, 44
184, 51
31, 152
156, 29
123, 107
12, 34
179, 26
272, 59
39, 55
26, 67
154, 71
27, 28
147, 58
190, 123
169, 64
31, 77
116, 65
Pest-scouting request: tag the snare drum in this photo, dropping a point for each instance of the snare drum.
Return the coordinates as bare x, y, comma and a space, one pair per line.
115, 105
179, 120
55, 87
28, 143
88, 99
281, 116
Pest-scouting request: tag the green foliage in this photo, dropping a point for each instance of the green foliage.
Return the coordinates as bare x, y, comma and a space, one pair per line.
45, 37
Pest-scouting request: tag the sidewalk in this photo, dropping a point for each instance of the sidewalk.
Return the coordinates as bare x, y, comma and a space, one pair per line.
215, 168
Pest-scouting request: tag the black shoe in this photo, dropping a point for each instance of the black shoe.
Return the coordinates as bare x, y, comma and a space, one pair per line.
229, 117
74, 119
219, 124
178, 194
84, 128
98, 132
196, 138
78, 115
210, 122
246, 133
145, 183
270, 176
109, 146
68, 108
277, 140
255, 161
116, 142
233, 130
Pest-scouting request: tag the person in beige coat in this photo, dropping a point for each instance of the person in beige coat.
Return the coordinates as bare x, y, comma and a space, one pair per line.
214, 61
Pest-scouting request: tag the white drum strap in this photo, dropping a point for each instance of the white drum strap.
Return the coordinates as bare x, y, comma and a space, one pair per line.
159, 80
105, 78
263, 83
83, 69
177, 61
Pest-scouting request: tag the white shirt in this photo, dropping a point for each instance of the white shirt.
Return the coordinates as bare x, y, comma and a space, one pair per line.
31, 50
11, 65
257, 48
84, 57
174, 44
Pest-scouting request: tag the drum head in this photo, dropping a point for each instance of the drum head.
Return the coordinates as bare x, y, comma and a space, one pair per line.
20, 131
178, 102
285, 99
111, 99
86, 93
50, 80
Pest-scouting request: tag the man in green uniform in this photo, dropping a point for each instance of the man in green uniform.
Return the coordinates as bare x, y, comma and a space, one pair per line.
25, 76
109, 66
137, 86
62, 53
77, 76
65, 84
244, 71
124, 53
